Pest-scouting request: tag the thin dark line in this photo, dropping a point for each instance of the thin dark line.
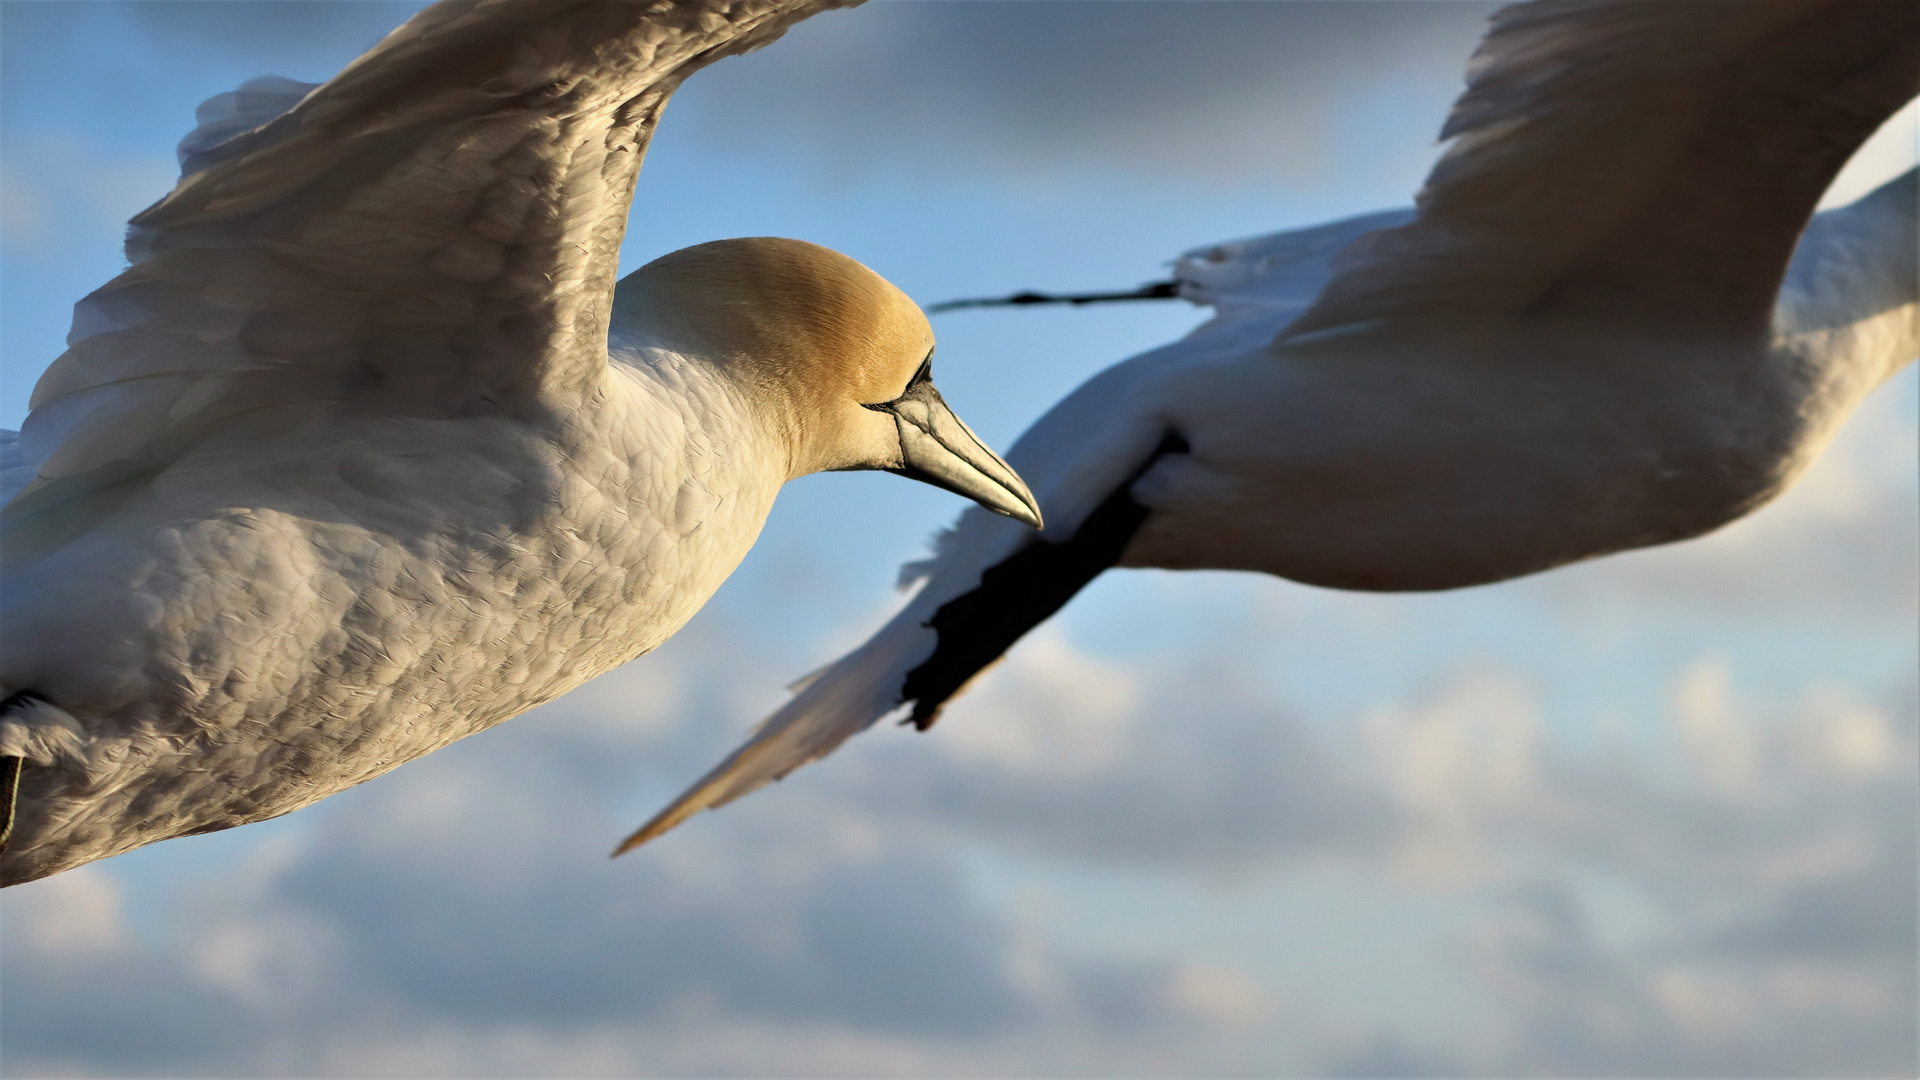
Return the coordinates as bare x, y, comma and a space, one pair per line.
1153, 290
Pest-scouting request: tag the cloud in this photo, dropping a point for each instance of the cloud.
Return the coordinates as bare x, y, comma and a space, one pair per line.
467, 921
1214, 92
1579, 1005
1386, 1056
23, 210
1228, 93
1225, 996
1063, 754
58, 188
77, 917
1631, 914
1781, 895
67, 939
1220, 92
1728, 892
1453, 762
319, 36
1759, 855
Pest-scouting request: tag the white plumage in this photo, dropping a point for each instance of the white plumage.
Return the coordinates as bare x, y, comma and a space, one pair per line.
1595, 332
365, 453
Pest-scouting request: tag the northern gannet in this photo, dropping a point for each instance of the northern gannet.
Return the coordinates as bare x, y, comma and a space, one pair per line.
1606, 324
367, 452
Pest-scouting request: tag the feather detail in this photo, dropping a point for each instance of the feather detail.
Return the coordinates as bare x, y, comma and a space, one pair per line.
1657, 156
434, 231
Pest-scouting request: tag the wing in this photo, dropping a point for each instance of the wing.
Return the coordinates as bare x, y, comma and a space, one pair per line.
1657, 156
433, 231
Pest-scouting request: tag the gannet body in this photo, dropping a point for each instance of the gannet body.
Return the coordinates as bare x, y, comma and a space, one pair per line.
365, 452
1601, 328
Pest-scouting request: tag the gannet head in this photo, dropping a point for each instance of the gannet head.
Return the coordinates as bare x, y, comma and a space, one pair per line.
834, 357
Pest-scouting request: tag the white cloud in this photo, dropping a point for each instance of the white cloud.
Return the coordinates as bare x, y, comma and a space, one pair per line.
1731, 893
24, 214
1720, 747
1221, 93
1846, 734
59, 189
460, 919
1057, 712
1220, 995
1472, 751
74, 914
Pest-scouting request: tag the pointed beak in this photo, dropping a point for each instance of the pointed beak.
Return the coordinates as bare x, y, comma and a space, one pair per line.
938, 448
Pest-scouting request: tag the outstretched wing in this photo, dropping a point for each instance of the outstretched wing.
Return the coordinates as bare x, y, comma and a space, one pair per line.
435, 230
1657, 156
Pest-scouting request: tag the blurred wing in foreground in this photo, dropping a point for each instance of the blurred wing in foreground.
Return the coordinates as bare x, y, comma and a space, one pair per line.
432, 232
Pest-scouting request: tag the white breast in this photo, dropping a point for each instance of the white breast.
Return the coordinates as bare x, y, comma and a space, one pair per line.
299, 613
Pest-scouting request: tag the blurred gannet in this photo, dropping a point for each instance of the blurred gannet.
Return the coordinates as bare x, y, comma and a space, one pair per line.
366, 452
1594, 332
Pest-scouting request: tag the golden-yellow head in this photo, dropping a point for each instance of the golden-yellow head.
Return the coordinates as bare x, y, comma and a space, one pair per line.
832, 355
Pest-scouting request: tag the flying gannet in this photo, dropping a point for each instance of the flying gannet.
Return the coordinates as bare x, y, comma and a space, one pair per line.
1606, 324
367, 452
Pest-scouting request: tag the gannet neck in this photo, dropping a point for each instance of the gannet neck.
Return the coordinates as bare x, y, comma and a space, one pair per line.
806, 335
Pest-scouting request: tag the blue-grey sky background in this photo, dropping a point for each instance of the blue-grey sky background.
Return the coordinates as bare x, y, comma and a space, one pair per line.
1649, 816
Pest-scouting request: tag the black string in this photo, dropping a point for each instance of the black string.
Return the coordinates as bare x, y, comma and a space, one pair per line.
1153, 290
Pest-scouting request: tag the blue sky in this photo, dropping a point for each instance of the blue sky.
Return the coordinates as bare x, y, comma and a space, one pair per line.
1648, 816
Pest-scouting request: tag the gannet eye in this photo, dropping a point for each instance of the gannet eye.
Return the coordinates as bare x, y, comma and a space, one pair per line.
923, 376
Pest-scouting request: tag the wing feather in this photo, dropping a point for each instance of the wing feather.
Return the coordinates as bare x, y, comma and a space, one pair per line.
436, 229
1660, 156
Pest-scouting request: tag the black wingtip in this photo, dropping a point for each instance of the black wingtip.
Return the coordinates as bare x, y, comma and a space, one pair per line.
976, 628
